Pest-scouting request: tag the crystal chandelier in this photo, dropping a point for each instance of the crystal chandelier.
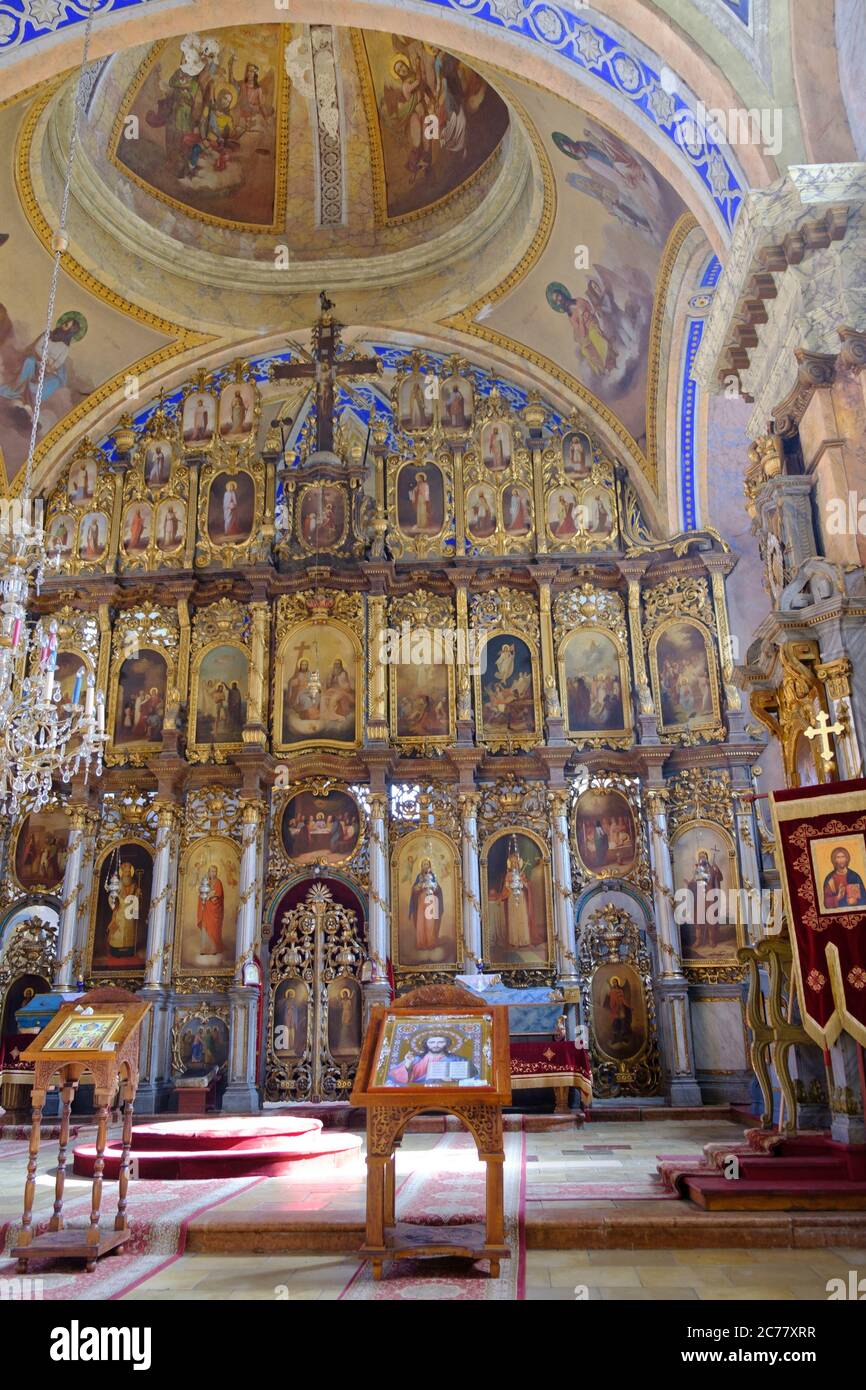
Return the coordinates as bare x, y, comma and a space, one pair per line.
43, 734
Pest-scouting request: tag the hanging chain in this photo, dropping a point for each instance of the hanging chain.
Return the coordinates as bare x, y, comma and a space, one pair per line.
58, 244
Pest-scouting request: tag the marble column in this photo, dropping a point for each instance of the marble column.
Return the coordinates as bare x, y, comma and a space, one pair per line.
77, 879
563, 900
671, 985
750, 869
719, 566
836, 675
377, 711
241, 1092
377, 990
154, 1052
257, 701
633, 571
846, 1100
472, 947
157, 970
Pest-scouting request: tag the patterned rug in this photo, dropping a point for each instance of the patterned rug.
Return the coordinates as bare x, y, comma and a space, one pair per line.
447, 1188
159, 1217
638, 1190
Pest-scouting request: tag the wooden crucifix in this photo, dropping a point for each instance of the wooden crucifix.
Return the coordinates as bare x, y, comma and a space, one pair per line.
326, 369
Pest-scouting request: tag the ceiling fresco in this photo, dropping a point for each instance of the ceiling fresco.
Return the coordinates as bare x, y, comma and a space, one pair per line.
430, 198
587, 303
90, 342
433, 121
205, 125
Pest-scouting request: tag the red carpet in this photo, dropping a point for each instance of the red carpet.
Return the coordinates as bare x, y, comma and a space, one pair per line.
773, 1172
230, 1148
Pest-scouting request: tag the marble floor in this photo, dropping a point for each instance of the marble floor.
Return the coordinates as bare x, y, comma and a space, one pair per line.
706, 1275
596, 1170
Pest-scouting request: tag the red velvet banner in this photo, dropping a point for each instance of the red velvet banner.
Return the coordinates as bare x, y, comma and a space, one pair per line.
821, 833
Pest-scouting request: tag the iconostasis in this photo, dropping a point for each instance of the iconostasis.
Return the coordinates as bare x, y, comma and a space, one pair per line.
404, 698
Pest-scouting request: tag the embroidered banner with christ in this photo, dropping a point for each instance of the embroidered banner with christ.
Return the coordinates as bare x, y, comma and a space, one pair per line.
821, 836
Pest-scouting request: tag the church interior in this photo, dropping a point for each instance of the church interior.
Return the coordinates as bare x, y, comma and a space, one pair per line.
432, 650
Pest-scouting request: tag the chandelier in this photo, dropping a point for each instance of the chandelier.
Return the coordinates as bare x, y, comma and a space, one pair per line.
44, 732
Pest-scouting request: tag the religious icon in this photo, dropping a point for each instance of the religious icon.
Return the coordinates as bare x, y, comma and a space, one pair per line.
40, 851
61, 535
170, 525
516, 510
420, 500
591, 665
139, 707
237, 412
322, 516
221, 686
231, 508
323, 828
206, 929
597, 513
291, 1003
496, 445
685, 682
564, 515
618, 1011
434, 1050
344, 1017
516, 912
85, 1034
415, 405
421, 696
426, 877
81, 484
509, 699
481, 511
93, 536
456, 405
577, 454
199, 418
605, 833
121, 908
318, 683
705, 903
839, 867
157, 462
136, 529
203, 1044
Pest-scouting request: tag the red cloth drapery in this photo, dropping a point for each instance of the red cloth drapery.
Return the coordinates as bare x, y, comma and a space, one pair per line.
821, 833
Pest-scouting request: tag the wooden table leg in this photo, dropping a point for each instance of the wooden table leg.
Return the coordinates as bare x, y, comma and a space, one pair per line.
30, 1183
390, 1192
67, 1093
96, 1201
561, 1093
120, 1221
376, 1181
494, 1219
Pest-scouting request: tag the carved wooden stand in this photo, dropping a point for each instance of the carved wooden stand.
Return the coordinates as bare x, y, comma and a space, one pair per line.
110, 1071
388, 1113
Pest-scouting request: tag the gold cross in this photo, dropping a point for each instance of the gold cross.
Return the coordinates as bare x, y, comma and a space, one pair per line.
823, 732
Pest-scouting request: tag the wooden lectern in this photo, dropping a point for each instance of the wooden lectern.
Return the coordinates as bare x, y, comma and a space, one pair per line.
438, 1048
97, 1035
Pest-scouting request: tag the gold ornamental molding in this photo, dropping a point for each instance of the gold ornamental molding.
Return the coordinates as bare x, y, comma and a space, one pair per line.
184, 338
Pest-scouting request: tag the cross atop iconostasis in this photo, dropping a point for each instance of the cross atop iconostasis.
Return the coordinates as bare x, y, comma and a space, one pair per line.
326, 369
